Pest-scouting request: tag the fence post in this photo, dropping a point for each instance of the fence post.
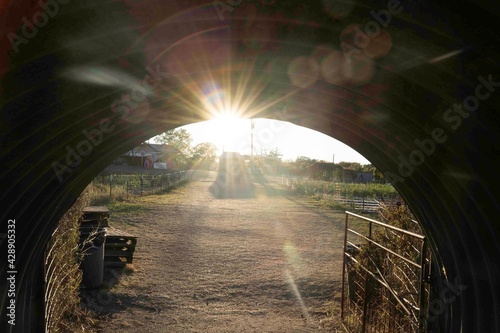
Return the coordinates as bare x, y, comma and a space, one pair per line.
345, 195
110, 185
423, 272
343, 267
364, 194
367, 276
365, 305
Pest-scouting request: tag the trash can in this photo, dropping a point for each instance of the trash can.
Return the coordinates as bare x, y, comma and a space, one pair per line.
92, 265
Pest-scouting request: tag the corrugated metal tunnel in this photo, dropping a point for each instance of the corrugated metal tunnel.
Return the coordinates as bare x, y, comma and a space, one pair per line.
413, 86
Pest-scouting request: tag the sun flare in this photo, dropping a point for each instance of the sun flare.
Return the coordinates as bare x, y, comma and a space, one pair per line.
228, 127
227, 117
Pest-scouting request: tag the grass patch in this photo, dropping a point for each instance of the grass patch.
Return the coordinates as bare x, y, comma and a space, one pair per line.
127, 207
348, 190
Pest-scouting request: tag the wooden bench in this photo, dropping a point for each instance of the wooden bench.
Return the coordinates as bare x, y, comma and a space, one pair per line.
119, 247
95, 216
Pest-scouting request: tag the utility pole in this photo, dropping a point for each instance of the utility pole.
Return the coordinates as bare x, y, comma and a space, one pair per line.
251, 145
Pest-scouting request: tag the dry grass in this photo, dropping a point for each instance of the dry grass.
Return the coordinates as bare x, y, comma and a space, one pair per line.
63, 275
403, 278
99, 194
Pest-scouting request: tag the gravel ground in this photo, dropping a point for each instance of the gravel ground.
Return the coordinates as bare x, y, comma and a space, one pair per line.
267, 262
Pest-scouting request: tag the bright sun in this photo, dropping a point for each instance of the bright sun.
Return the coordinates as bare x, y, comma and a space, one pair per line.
227, 128
227, 117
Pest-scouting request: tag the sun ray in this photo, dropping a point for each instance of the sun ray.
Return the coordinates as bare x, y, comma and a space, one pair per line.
206, 81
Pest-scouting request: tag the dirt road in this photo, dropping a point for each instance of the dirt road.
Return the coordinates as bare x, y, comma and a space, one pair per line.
266, 263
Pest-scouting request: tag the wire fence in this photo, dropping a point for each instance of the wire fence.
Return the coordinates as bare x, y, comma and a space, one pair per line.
124, 186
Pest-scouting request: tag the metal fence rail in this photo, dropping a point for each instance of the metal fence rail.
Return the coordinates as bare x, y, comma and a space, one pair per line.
384, 278
140, 184
360, 204
363, 203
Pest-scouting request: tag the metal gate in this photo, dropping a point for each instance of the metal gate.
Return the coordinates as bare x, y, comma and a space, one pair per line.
384, 277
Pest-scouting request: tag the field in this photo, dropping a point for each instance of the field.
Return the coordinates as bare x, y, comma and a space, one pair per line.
346, 190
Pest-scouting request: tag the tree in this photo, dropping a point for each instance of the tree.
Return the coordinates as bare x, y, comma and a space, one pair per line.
180, 140
204, 156
302, 164
376, 172
275, 152
354, 166
273, 161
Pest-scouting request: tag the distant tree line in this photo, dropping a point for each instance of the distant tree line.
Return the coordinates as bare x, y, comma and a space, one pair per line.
203, 156
303, 166
185, 155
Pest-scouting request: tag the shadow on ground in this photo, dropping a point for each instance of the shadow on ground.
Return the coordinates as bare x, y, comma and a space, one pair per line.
103, 300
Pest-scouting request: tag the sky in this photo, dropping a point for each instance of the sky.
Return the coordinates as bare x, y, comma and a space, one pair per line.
291, 140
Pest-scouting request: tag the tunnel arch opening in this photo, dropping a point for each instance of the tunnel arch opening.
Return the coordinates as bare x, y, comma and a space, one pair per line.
234, 196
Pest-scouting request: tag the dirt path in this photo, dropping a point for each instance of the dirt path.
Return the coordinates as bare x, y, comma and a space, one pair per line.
270, 263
